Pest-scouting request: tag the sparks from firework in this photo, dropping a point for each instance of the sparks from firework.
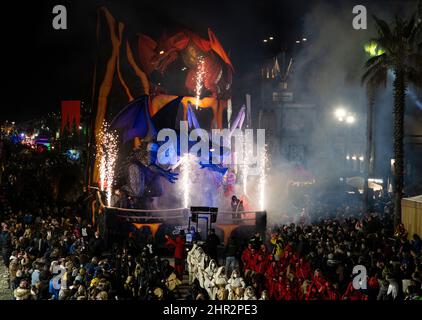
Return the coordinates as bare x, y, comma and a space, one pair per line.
185, 170
200, 73
245, 165
102, 162
107, 150
262, 178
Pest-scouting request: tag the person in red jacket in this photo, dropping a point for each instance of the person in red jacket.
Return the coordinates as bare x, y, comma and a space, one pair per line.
285, 259
279, 288
250, 264
262, 260
289, 293
271, 285
329, 292
303, 269
179, 252
270, 274
246, 255
313, 293
316, 287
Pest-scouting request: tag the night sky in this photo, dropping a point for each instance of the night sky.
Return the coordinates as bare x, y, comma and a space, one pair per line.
44, 66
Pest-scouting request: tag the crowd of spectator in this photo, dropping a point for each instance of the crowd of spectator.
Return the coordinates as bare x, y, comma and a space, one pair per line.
64, 258
55, 252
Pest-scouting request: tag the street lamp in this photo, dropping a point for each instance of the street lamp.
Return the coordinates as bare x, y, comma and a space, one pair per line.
350, 119
340, 114
344, 116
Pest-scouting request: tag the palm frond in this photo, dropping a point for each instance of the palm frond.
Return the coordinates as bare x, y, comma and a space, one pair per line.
378, 81
386, 44
383, 27
416, 32
409, 28
375, 60
376, 75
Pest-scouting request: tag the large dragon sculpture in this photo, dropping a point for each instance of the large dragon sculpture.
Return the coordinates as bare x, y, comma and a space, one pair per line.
203, 65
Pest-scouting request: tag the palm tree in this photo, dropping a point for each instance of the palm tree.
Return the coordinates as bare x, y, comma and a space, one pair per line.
400, 56
370, 93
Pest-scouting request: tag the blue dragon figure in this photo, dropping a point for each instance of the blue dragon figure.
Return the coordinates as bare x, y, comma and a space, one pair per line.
142, 174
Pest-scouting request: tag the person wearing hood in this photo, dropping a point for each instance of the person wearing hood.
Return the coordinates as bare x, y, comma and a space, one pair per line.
249, 294
201, 262
219, 284
235, 286
190, 259
209, 274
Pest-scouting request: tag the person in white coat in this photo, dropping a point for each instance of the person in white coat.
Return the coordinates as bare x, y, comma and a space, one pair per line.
235, 286
219, 285
202, 262
209, 274
249, 294
191, 262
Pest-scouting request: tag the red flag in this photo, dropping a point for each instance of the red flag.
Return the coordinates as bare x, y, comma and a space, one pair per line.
71, 113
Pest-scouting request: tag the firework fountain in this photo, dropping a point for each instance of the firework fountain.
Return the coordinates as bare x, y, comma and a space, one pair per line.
107, 150
262, 178
185, 170
245, 155
199, 80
